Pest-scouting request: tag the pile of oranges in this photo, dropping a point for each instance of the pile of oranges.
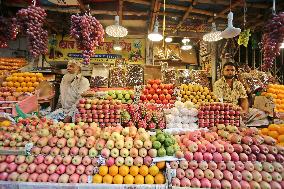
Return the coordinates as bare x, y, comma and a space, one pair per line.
23, 82
130, 175
277, 93
276, 131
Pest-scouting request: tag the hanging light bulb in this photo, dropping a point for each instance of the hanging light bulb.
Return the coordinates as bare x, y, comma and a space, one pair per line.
116, 30
117, 46
230, 31
214, 35
155, 35
282, 45
168, 39
186, 46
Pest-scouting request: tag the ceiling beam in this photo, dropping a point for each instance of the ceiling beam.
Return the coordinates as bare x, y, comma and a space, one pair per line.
155, 7
81, 5
233, 5
139, 2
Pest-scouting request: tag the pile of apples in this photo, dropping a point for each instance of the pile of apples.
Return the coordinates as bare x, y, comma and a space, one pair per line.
211, 114
238, 158
125, 96
156, 92
147, 116
23, 82
104, 112
196, 94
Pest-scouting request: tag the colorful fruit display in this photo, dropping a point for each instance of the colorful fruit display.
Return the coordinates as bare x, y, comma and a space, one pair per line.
125, 96
11, 64
104, 112
143, 116
275, 131
211, 114
228, 157
277, 93
156, 92
196, 94
23, 82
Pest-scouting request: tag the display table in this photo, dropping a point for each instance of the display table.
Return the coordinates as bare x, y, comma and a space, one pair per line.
38, 185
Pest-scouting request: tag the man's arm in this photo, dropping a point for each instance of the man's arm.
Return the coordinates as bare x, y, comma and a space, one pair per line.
244, 104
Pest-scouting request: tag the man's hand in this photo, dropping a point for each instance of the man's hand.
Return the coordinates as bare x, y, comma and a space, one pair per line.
67, 119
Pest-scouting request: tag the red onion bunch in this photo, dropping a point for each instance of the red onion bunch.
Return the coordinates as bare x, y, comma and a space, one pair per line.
88, 33
271, 39
31, 22
8, 31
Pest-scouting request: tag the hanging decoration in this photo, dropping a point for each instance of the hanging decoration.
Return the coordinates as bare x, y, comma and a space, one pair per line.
88, 33
30, 22
230, 31
272, 38
155, 35
245, 34
116, 30
8, 31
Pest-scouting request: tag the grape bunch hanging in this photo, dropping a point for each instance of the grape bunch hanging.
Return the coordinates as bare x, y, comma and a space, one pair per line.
271, 39
244, 37
30, 21
8, 31
88, 33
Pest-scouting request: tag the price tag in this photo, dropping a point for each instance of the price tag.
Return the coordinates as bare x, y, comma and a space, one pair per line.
90, 179
28, 148
137, 93
101, 160
96, 170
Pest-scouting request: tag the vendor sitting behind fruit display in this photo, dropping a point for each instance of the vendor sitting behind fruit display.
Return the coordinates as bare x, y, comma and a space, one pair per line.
229, 89
73, 84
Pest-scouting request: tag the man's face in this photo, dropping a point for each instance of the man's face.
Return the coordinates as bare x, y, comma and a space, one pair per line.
72, 68
229, 72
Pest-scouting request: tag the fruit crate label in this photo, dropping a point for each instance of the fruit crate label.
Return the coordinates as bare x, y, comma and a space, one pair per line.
90, 179
28, 148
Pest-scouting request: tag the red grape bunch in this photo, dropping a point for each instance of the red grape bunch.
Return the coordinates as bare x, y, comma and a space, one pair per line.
88, 33
272, 37
30, 21
8, 31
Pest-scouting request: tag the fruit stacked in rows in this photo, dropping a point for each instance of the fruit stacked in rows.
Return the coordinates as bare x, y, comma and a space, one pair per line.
277, 93
196, 94
130, 174
211, 114
228, 157
125, 96
104, 112
275, 131
156, 92
143, 116
23, 82
11, 64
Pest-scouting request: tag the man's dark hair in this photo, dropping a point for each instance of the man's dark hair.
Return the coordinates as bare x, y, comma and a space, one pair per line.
229, 64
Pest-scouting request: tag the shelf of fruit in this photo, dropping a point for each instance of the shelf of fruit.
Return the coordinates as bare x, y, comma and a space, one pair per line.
277, 93
11, 64
69, 153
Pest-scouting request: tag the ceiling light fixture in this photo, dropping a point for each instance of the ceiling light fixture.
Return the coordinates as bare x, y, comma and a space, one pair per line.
186, 46
168, 39
116, 30
155, 35
230, 31
117, 47
213, 36
185, 40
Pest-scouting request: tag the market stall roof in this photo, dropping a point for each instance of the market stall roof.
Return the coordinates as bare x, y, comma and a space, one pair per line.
189, 18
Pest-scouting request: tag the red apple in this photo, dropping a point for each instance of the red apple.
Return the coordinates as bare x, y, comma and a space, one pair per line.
149, 96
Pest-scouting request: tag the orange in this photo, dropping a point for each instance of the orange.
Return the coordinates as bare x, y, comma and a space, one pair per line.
20, 74
143, 170
113, 170
139, 179
33, 79
19, 89
161, 164
27, 79
128, 179
107, 179
36, 84
25, 89
273, 127
14, 78
153, 170
123, 170
281, 130
21, 79
10, 84
4, 84
17, 84
103, 170
23, 84
97, 178
281, 138
273, 134
149, 179
8, 78
264, 131
134, 170
117, 179
39, 75
160, 179
29, 84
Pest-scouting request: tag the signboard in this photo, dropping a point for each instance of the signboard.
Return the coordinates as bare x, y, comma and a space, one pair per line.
64, 48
